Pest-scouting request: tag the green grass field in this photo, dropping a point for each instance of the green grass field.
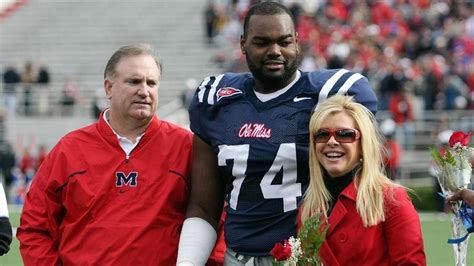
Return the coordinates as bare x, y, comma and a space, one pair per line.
436, 231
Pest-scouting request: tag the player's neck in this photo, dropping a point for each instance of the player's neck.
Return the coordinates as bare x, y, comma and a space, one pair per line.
267, 87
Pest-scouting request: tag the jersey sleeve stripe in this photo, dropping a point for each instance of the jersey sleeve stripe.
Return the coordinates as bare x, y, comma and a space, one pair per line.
202, 89
212, 91
323, 94
328, 85
349, 82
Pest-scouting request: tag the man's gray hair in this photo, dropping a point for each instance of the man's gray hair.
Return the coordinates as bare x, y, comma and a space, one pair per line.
129, 50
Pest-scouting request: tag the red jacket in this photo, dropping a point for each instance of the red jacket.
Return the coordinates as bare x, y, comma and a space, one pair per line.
89, 205
397, 241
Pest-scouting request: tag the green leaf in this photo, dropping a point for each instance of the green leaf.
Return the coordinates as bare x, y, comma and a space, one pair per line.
436, 156
312, 239
449, 158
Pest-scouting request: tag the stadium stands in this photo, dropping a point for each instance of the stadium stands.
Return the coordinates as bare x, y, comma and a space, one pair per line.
75, 38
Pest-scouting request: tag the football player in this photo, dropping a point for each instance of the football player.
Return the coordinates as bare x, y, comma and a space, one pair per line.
250, 143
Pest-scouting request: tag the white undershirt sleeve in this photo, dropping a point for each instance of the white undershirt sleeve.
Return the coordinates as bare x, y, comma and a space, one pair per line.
196, 242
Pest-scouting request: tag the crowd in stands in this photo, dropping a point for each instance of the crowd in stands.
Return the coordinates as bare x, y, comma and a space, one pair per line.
25, 82
28, 92
419, 48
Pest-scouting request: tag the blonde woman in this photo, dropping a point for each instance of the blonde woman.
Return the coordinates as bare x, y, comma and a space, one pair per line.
371, 219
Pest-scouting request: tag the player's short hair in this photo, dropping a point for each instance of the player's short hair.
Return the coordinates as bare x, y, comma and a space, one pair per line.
129, 50
267, 9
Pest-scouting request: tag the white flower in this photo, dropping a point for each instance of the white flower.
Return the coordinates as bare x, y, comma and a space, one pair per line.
296, 251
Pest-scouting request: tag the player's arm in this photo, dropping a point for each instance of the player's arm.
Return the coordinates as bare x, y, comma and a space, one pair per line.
198, 235
207, 187
39, 222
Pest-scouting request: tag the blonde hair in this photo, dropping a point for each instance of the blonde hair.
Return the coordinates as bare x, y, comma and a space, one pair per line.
370, 179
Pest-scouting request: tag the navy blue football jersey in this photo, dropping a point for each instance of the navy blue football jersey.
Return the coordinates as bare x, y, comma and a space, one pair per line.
262, 149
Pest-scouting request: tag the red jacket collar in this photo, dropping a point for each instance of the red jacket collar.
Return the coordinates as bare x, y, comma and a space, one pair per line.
350, 192
106, 130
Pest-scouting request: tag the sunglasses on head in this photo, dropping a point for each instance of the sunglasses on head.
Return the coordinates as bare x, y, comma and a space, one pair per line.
342, 135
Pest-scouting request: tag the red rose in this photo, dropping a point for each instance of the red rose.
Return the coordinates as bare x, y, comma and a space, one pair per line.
460, 137
287, 248
280, 252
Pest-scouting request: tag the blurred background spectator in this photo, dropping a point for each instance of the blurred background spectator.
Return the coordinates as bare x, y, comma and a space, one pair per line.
401, 109
393, 152
188, 92
34, 94
28, 77
42, 153
210, 21
43, 82
11, 80
27, 165
70, 96
99, 103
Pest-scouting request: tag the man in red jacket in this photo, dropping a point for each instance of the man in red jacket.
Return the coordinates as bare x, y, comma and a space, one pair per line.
114, 192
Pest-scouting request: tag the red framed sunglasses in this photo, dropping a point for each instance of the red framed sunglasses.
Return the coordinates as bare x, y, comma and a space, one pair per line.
342, 135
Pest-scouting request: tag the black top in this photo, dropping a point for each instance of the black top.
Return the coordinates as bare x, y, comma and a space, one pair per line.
336, 185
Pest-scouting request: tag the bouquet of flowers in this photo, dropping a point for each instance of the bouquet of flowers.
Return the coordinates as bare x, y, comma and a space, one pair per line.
302, 250
453, 170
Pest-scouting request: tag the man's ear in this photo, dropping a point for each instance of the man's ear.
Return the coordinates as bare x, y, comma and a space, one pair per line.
242, 44
297, 45
108, 88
